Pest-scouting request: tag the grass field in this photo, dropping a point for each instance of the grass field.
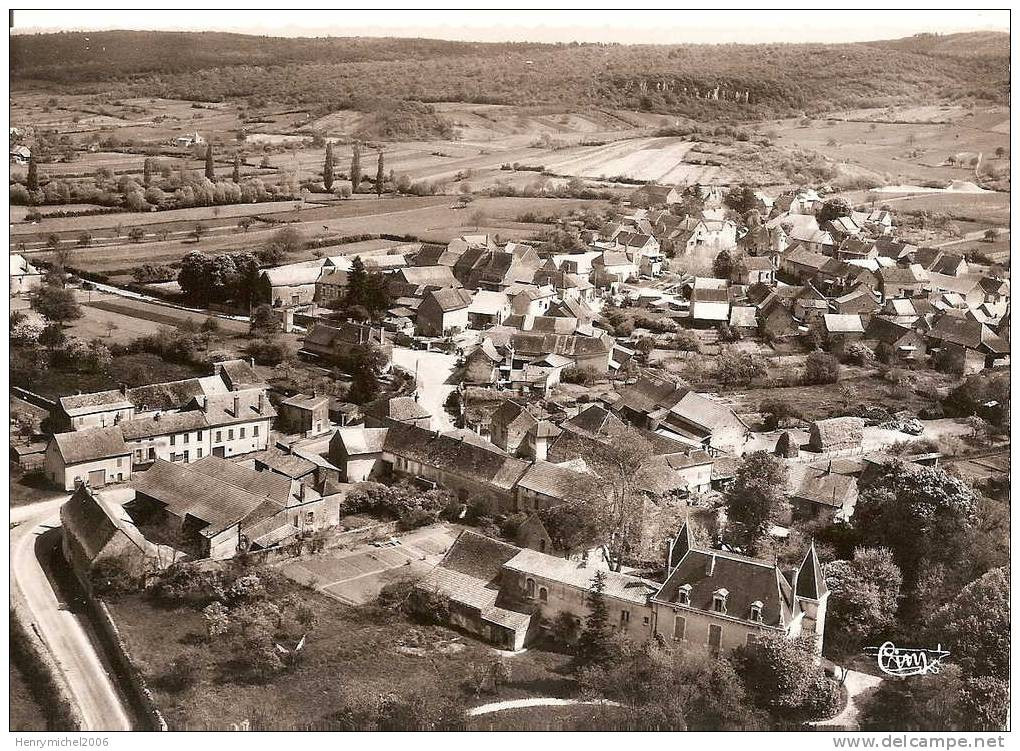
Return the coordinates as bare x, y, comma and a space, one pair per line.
435, 218
353, 650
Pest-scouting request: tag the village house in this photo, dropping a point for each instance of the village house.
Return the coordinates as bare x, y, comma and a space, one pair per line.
857, 302
836, 435
715, 601
24, 276
488, 308
754, 270
403, 409
443, 312
650, 196
530, 299
661, 406
290, 285
417, 281
304, 414
969, 346
901, 341
820, 494
333, 343
94, 457
896, 281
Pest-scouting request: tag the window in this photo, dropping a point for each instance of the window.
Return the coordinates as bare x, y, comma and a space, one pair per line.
152, 453
255, 431
679, 627
719, 600
624, 618
198, 453
242, 432
645, 621
756, 607
310, 517
543, 594
529, 588
187, 437
219, 436
715, 638
752, 639
138, 455
230, 434
173, 440
120, 462
199, 435
683, 595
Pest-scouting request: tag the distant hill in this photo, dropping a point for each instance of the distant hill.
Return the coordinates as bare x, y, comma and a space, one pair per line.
699, 81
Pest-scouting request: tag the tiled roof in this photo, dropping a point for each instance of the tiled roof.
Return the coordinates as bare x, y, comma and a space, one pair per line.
83, 403
428, 276
843, 324
512, 414
88, 445
455, 455
162, 423
451, 299
550, 479
187, 491
400, 408
265, 484
360, 440
575, 574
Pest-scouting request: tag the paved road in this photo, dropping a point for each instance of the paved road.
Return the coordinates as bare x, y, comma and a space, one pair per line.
61, 630
433, 369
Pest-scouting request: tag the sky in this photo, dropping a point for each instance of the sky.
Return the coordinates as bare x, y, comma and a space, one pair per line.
626, 27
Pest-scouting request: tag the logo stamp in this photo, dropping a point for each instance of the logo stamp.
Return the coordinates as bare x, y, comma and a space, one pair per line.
904, 661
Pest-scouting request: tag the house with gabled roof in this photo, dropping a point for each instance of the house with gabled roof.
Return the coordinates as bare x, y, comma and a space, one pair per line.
901, 340
969, 345
717, 601
93, 457
24, 276
470, 577
443, 311
655, 195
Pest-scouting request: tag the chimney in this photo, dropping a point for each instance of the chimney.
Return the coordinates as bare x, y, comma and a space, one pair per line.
262, 402
710, 567
251, 361
203, 403
237, 405
123, 389
156, 417
302, 492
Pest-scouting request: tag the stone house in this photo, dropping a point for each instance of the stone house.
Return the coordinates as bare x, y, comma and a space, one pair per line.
443, 312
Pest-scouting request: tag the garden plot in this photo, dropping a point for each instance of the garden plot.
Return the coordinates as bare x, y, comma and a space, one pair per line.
652, 159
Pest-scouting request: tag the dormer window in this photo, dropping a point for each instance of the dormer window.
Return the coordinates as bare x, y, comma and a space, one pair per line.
683, 595
756, 607
719, 600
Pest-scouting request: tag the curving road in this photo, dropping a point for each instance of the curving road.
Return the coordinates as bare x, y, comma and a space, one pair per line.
434, 371
62, 631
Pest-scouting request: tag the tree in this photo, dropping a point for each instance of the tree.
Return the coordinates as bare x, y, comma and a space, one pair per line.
863, 597
285, 241
364, 363
756, 499
147, 172
56, 304
741, 199
136, 234
917, 512
821, 368
237, 168
32, 181
670, 688
1000, 152
832, 209
264, 322
736, 368
722, 266
593, 643
380, 176
210, 169
783, 678
197, 231
571, 526
84, 239
974, 626
327, 168
183, 671
356, 168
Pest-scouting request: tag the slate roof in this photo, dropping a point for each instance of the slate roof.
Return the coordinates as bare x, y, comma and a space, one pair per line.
162, 423
239, 374
428, 276
968, 333
88, 445
513, 415
746, 581
560, 344
270, 485
820, 486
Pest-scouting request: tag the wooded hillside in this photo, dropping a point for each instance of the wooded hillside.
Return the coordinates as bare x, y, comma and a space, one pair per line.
701, 81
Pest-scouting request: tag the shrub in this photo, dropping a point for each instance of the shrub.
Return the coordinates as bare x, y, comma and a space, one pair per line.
687, 341
821, 368
182, 672
584, 376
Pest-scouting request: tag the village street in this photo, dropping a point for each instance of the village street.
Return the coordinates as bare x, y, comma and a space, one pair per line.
62, 631
433, 371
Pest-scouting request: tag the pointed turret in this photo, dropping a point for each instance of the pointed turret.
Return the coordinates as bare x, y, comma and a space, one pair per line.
682, 543
810, 581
